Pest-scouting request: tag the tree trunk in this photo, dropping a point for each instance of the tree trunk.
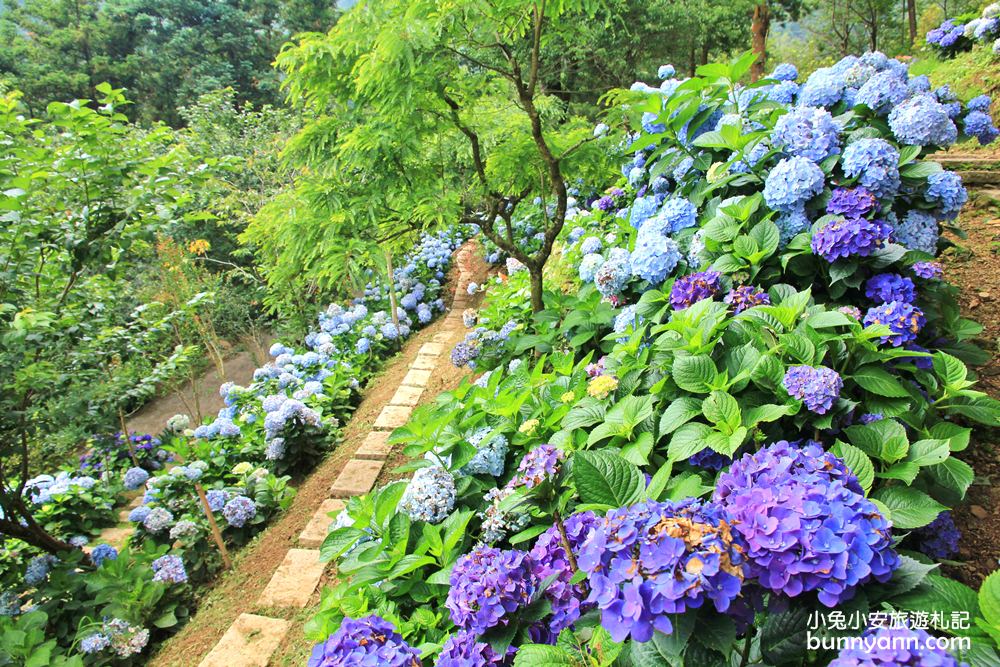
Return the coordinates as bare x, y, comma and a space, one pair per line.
759, 27
34, 535
911, 15
537, 302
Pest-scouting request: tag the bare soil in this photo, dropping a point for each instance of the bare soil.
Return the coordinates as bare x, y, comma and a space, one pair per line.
975, 267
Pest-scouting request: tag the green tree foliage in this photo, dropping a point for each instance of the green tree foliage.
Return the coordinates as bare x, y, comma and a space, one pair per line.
448, 118
82, 196
165, 52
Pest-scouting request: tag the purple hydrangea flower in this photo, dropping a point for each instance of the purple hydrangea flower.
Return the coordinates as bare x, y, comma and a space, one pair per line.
216, 499
746, 296
886, 287
538, 465
807, 522
463, 649
366, 641
928, 270
488, 586
903, 319
850, 311
654, 559
844, 237
690, 289
895, 647
938, 539
871, 417
852, 202
709, 459
817, 387
549, 558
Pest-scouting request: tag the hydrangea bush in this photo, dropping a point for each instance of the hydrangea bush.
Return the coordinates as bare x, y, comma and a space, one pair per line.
754, 390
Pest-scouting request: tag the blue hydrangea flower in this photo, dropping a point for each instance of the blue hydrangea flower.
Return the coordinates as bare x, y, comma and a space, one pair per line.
817, 387
614, 273
844, 238
490, 455
103, 552
430, 495
642, 209
918, 230
886, 287
589, 266
590, 245
135, 477
882, 92
922, 121
677, 213
945, 189
366, 641
239, 510
216, 499
665, 71
823, 88
807, 523
651, 560
158, 519
38, 569
807, 132
169, 569
903, 319
139, 514
784, 72
95, 643
979, 103
895, 647
791, 224
488, 586
980, 125
692, 288
791, 183
875, 163
655, 257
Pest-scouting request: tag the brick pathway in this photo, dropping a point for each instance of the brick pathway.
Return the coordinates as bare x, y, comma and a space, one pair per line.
252, 639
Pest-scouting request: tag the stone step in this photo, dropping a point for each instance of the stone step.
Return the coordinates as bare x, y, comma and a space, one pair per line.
294, 581
417, 378
423, 363
357, 478
375, 446
394, 416
406, 396
981, 177
319, 525
441, 337
249, 642
431, 349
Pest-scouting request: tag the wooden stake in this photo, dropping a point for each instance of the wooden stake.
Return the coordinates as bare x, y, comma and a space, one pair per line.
216, 533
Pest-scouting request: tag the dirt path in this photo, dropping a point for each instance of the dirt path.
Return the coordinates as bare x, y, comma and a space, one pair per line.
201, 395
975, 267
236, 593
